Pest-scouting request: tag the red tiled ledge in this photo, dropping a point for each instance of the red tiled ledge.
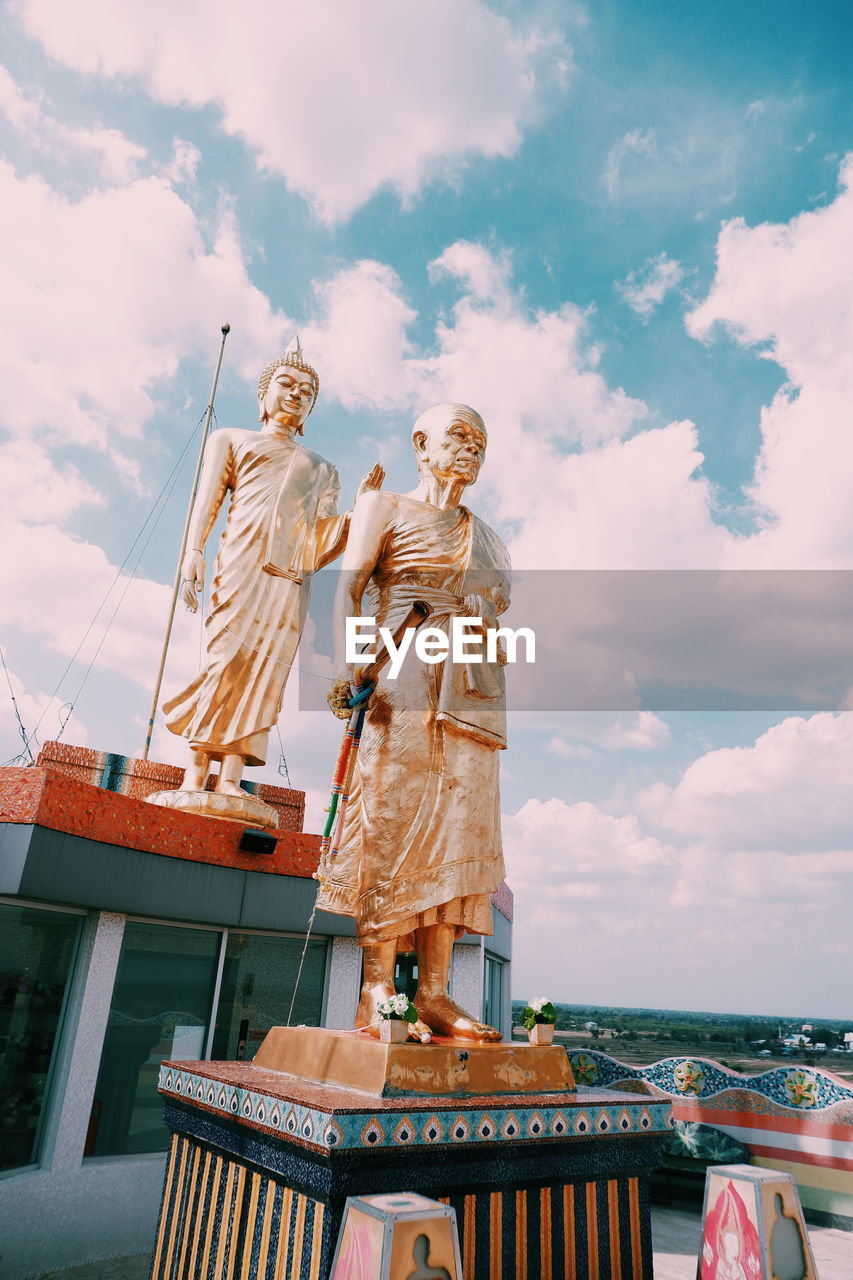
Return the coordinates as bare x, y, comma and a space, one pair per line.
48, 797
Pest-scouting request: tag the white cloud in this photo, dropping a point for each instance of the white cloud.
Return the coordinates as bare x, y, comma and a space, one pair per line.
645, 289
339, 99
580, 876
484, 273
118, 158
34, 709
75, 577
103, 297
592, 887
551, 845
622, 503
643, 731
569, 750
35, 490
783, 290
637, 142
694, 158
788, 792
784, 285
361, 345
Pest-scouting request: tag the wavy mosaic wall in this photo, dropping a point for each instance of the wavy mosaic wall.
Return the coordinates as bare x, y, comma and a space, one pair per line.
796, 1119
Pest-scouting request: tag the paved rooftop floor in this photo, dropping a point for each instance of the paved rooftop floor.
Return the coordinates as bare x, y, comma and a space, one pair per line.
676, 1243
676, 1234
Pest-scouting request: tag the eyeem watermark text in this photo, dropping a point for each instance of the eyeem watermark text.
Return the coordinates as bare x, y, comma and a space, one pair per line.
433, 645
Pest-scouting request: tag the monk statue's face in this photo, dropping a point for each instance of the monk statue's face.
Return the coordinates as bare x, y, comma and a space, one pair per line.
452, 451
288, 397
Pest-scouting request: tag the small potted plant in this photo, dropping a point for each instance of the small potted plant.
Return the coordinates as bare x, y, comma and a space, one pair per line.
539, 1017
395, 1017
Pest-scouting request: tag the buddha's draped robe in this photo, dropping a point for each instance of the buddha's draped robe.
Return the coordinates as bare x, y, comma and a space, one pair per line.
282, 525
421, 842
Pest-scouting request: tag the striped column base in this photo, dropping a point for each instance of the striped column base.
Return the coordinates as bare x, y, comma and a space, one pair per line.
221, 1219
257, 1181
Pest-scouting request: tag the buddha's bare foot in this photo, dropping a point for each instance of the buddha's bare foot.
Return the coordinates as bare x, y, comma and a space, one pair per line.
225, 787
445, 1018
367, 1013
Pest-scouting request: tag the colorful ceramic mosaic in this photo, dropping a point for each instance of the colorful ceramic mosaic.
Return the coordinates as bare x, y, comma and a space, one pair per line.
799, 1088
408, 1127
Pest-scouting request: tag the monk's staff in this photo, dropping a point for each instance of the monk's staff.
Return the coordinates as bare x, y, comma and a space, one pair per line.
363, 684
224, 330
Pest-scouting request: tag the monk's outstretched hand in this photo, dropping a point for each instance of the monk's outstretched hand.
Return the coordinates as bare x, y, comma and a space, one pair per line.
373, 480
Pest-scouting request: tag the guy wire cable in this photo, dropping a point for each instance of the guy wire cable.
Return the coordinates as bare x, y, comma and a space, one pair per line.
160, 497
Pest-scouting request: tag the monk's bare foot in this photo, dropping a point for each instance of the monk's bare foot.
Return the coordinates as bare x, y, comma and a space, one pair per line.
420, 1031
445, 1018
367, 1013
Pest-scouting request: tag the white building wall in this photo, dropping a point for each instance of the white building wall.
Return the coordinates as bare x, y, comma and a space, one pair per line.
71, 1211
344, 982
466, 977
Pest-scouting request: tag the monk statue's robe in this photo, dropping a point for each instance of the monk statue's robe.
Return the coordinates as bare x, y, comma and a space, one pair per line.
421, 841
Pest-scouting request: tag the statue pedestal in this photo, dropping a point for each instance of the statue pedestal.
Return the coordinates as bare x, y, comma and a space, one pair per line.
550, 1184
246, 808
443, 1067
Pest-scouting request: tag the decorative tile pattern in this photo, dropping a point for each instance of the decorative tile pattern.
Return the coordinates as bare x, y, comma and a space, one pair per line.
795, 1089
384, 1127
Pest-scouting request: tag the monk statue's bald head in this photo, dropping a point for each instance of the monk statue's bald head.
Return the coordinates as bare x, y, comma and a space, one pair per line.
450, 438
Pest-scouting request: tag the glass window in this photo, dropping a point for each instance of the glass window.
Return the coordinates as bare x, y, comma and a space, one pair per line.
257, 988
493, 991
37, 949
406, 974
160, 1009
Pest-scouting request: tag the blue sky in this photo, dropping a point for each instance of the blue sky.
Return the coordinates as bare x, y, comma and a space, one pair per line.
623, 232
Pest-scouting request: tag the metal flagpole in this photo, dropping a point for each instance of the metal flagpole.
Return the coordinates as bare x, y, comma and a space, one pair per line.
226, 329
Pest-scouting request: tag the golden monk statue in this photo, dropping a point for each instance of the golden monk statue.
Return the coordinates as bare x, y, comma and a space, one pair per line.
420, 851
282, 525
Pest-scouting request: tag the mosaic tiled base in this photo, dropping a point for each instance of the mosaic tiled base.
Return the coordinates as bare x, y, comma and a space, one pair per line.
409, 1122
139, 778
550, 1186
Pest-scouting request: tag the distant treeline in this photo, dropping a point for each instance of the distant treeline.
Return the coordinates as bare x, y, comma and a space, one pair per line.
687, 1025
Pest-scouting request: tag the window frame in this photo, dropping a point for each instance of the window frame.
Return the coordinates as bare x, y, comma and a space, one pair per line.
51, 1101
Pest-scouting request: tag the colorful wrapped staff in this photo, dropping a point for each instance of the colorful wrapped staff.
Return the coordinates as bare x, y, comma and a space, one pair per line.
362, 687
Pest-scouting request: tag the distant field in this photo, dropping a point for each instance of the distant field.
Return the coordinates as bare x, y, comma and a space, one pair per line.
642, 1036
640, 1053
